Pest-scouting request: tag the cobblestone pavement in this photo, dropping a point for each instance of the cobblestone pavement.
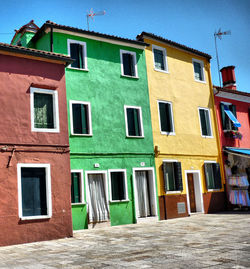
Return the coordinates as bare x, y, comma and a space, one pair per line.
199, 241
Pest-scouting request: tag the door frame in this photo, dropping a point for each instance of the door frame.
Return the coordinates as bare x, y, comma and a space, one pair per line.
197, 181
90, 172
151, 169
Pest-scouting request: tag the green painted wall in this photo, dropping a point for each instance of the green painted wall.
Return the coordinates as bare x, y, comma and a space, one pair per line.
108, 92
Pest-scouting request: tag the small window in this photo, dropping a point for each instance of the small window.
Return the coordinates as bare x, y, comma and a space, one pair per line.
166, 117
77, 51
160, 58
44, 110
205, 122
80, 118
198, 70
227, 124
133, 119
118, 185
76, 187
34, 189
128, 63
213, 175
172, 175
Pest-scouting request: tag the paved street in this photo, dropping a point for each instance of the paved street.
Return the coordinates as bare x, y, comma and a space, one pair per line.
199, 241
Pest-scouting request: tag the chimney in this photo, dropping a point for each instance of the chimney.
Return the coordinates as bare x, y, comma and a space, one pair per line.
228, 77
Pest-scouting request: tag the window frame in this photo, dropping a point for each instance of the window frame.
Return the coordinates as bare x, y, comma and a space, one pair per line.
126, 121
71, 102
171, 192
54, 94
164, 59
82, 43
210, 122
172, 117
48, 190
202, 70
125, 185
135, 63
80, 171
211, 190
226, 116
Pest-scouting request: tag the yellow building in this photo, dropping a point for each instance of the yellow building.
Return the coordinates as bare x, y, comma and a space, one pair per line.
187, 156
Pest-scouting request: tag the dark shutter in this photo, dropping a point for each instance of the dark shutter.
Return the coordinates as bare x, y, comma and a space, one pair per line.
217, 175
134, 124
164, 169
128, 64
203, 122
159, 61
74, 54
178, 176
75, 187
80, 119
165, 117
209, 184
84, 119
117, 186
81, 58
233, 109
223, 116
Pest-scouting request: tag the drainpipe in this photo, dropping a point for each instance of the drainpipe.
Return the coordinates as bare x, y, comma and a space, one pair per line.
51, 39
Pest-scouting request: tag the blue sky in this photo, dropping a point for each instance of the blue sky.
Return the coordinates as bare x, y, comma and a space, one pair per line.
189, 22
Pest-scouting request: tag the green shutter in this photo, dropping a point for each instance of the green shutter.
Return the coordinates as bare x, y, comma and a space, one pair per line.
233, 109
168, 176
134, 124
217, 175
75, 188
74, 54
178, 176
80, 119
223, 116
205, 123
209, 175
166, 117
84, 119
208, 126
43, 111
81, 58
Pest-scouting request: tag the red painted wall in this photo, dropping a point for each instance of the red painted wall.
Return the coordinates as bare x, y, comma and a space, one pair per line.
16, 76
243, 118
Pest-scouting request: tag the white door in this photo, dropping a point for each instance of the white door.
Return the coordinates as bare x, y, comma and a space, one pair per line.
98, 204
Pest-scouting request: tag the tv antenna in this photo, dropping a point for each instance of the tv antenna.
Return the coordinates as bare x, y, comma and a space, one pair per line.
219, 34
92, 14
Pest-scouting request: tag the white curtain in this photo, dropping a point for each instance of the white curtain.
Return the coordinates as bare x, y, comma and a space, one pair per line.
98, 206
143, 196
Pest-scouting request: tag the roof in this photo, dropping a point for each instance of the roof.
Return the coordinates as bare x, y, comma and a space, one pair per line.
49, 24
172, 43
219, 89
36, 53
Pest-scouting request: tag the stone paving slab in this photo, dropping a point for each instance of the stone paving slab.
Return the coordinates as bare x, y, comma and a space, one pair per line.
200, 241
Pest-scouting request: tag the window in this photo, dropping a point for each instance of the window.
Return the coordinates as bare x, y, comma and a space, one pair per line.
198, 70
166, 117
77, 51
80, 118
133, 120
77, 187
118, 185
172, 175
128, 63
44, 110
34, 191
212, 175
160, 58
227, 124
205, 122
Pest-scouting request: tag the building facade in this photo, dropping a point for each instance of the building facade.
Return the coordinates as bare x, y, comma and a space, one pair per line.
110, 134
34, 146
187, 153
233, 114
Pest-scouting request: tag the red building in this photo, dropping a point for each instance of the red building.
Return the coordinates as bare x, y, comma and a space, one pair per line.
233, 114
34, 147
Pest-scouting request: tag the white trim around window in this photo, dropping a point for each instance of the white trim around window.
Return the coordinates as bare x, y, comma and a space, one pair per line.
141, 122
54, 94
48, 190
135, 63
71, 41
165, 62
203, 80
79, 171
172, 117
210, 123
124, 171
90, 132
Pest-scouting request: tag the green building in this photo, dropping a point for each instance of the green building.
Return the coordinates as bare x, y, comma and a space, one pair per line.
110, 134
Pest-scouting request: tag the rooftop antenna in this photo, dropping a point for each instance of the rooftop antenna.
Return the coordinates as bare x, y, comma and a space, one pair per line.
92, 14
219, 34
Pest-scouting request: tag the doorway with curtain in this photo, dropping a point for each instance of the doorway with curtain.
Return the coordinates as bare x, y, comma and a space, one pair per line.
145, 194
97, 197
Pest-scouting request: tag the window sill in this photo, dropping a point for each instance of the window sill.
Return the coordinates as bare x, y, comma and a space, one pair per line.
133, 77
161, 71
173, 192
36, 217
119, 201
81, 134
130, 136
82, 203
165, 133
200, 81
44, 130
79, 69
211, 190
204, 136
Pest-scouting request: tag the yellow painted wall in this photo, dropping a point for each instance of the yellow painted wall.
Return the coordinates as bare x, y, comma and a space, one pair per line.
179, 87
